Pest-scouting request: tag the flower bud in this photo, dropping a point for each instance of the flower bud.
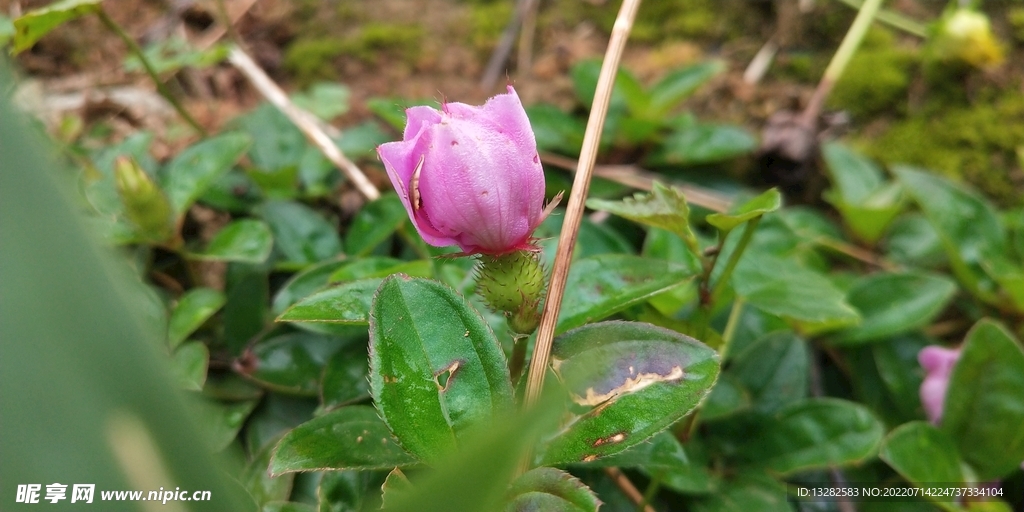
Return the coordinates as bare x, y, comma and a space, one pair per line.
966, 35
145, 204
470, 176
938, 363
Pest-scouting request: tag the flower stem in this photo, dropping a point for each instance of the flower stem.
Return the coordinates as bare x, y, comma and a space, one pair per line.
734, 258
150, 70
730, 327
516, 364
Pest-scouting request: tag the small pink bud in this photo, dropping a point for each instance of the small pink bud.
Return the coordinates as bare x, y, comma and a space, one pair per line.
938, 363
470, 176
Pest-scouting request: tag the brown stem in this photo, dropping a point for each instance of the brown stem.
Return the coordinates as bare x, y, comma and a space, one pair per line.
627, 487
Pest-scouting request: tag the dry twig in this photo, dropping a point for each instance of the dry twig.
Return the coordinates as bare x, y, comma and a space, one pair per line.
627, 487
577, 198
303, 120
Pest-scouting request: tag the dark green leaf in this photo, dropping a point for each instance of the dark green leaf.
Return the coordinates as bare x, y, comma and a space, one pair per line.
699, 143
922, 454
663, 208
726, 398
293, 363
984, 407
395, 485
854, 177
190, 173
603, 285
222, 422
785, 288
892, 358
891, 304
189, 365
194, 308
774, 370
914, 241
245, 311
277, 143
304, 283
352, 437
747, 491
345, 377
555, 130
967, 224
374, 223
263, 487
550, 489
664, 458
632, 379
245, 240
301, 235
361, 140
768, 201
680, 84
584, 80
435, 367
35, 24
381, 267
813, 434
868, 220
347, 303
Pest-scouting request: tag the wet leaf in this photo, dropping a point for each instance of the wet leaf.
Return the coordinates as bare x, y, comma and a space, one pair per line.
194, 308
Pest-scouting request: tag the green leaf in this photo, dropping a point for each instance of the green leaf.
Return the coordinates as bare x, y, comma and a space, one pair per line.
632, 381
892, 358
194, 308
584, 81
189, 365
396, 484
7, 30
787, 289
664, 458
555, 130
663, 208
435, 367
603, 285
550, 489
381, 267
700, 143
222, 422
814, 434
774, 370
263, 487
324, 99
868, 220
245, 240
726, 398
912, 240
374, 223
352, 437
301, 235
304, 283
277, 142
174, 53
679, 85
292, 363
345, 377
967, 224
854, 177
892, 304
35, 24
766, 202
190, 173
392, 110
922, 454
747, 491
347, 303
984, 407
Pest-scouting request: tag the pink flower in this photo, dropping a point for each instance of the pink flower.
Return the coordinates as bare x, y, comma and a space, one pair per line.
470, 176
938, 363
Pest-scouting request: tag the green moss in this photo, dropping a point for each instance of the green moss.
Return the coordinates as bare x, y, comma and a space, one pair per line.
485, 23
1015, 17
977, 144
313, 58
876, 79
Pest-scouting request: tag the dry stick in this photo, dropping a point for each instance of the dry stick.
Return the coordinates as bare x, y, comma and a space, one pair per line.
524, 61
574, 210
504, 47
842, 57
627, 487
305, 121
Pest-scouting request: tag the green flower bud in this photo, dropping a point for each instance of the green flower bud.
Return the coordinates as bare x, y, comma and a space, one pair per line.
513, 283
145, 204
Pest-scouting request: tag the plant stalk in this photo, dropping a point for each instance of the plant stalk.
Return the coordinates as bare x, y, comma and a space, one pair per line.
150, 70
734, 258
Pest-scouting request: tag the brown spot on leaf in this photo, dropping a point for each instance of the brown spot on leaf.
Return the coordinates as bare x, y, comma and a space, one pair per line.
444, 377
612, 439
590, 458
630, 385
